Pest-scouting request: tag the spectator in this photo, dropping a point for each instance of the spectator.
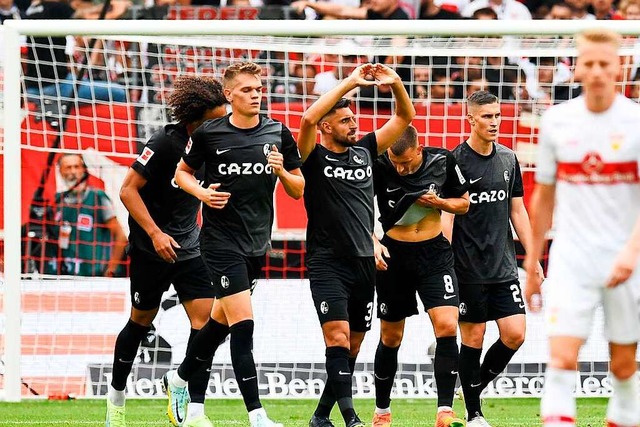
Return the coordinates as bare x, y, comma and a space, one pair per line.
581, 9
560, 10
326, 81
430, 10
91, 241
48, 71
421, 77
475, 85
634, 88
443, 87
603, 9
505, 9
548, 80
9, 10
484, 13
629, 9
373, 9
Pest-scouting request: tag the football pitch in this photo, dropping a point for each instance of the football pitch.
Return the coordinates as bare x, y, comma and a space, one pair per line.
292, 413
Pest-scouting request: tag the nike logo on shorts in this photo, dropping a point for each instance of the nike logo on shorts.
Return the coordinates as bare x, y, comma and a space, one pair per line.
449, 296
250, 378
344, 373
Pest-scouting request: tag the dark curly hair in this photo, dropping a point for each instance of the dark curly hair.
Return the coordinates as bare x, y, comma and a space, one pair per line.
192, 96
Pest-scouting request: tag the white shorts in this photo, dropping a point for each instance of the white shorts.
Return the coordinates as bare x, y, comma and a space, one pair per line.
571, 306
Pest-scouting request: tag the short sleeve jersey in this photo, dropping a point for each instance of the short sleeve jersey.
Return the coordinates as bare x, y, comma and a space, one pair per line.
339, 199
593, 159
438, 173
173, 210
237, 159
482, 239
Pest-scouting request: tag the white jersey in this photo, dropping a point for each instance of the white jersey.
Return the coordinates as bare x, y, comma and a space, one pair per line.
593, 159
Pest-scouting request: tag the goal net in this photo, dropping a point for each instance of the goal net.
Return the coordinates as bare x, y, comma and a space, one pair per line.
100, 92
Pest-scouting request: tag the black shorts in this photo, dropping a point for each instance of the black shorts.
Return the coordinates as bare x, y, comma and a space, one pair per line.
481, 303
151, 277
343, 288
425, 268
232, 272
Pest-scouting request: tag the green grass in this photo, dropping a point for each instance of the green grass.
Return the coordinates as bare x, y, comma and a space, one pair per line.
293, 413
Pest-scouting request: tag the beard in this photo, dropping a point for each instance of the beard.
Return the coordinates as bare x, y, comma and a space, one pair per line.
346, 141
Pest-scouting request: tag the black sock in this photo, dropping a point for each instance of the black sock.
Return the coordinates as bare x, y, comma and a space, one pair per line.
125, 352
445, 369
201, 349
244, 366
328, 399
384, 373
200, 379
469, 368
339, 377
496, 359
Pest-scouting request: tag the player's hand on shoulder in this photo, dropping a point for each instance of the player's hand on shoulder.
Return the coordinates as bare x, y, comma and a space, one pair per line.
164, 246
299, 6
213, 198
275, 159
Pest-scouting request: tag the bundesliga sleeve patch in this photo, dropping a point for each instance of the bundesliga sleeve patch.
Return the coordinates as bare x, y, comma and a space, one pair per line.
144, 157
188, 147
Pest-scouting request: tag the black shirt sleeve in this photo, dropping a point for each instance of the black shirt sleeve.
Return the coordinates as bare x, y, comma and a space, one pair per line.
154, 152
456, 184
370, 142
194, 152
292, 159
518, 189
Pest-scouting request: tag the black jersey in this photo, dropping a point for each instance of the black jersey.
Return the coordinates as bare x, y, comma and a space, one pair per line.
439, 173
482, 239
339, 199
237, 159
173, 210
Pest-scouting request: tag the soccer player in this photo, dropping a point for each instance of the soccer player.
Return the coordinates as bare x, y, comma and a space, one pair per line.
484, 251
243, 154
163, 238
340, 245
587, 180
414, 185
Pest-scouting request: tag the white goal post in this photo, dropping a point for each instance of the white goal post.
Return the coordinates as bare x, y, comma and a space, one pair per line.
422, 38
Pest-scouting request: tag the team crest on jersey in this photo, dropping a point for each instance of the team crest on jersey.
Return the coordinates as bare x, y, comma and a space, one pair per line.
324, 307
616, 141
357, 159
146, 155
266, 149
506, 176
85, 222
432, 188
592, 163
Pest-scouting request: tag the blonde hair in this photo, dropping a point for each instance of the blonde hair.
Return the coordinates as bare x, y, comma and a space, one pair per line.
598, 35
240, 68
624, 5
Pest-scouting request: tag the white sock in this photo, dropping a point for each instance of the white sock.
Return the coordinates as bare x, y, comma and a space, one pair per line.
558, 403
177, 381
116, 397
195, 410
253, 415
445, 408
624, 404
382, 411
